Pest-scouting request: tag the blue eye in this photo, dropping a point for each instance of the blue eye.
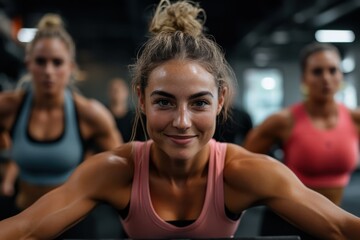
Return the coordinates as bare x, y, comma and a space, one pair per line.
201, 103
163, 103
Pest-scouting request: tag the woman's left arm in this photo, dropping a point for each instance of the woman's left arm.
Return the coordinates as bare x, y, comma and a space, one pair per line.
100, 126
260, 180
355, 114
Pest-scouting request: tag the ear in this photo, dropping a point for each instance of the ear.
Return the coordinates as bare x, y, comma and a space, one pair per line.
221, 99
141, 99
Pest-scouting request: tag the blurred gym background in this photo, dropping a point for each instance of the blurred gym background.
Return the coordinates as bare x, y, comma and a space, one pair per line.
261, 39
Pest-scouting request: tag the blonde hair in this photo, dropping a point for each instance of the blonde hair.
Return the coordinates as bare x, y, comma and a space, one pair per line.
177, 32
52, 26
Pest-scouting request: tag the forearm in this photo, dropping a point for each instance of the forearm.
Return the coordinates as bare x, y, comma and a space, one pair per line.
319, 217
10, 174
350, 227
48, 217
15, 228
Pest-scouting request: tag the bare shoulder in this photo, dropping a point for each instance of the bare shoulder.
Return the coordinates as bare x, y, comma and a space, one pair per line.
9, 105
275, 128
241, 160
253, 173
90, 110
118, 160
279, 120
10, 101
107, 175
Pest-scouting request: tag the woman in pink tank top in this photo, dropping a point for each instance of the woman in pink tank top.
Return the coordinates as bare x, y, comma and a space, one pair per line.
181, 183
319, 136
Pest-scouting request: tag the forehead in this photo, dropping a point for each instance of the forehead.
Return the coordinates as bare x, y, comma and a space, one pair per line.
323, 58
50, 46
181, 75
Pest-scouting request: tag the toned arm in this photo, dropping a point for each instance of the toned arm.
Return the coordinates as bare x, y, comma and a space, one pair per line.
355, 114
259, 180
9, 104
97, 124
105, 177
274, 129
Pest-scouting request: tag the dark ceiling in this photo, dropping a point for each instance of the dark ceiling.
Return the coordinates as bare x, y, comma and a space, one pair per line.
244, 28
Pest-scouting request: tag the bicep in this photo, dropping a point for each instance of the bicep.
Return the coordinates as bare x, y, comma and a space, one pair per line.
106, 136
108, 139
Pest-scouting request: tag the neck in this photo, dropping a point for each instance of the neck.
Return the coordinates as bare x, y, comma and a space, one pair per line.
179, 170
48, 101
321, 108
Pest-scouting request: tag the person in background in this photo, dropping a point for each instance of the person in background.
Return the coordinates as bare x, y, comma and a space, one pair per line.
181, 183
46, 127
319, 136
235, 128
119, 95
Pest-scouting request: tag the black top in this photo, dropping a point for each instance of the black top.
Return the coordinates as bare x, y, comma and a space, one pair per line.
236, 127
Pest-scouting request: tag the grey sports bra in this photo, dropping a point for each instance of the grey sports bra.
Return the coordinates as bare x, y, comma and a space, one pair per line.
47, 162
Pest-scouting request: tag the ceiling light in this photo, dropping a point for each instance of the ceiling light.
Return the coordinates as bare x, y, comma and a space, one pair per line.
348, 64
335, 36
26, 34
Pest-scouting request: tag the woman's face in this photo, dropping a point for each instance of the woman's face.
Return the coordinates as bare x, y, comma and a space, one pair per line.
322, 75
181, 103
50, 65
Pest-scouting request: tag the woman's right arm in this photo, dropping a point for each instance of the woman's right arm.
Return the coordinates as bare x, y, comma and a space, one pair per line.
9, 104
271, 131
105, 177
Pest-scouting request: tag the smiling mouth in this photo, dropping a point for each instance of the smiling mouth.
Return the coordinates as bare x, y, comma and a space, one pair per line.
181, 139
48, 82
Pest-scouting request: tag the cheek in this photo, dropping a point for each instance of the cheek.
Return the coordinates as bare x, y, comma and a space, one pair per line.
63, 75
35, 69
64, 71
205, 123
157, 121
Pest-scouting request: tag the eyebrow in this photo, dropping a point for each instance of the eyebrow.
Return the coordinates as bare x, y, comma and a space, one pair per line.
196, 95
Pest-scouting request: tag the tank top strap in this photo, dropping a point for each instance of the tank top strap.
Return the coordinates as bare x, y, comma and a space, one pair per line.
298, 110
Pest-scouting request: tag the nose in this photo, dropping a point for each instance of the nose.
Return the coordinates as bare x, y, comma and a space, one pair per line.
328, 75
49, 67
182, 118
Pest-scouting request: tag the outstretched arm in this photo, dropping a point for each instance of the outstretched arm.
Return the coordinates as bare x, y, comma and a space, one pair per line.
258, 179
105, 177
49, 216
311, 211
8, 168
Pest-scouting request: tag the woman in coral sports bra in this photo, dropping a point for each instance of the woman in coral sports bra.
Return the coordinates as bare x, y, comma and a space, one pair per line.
319, 136
181, 183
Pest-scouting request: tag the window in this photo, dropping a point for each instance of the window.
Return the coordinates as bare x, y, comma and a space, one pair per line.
263, 92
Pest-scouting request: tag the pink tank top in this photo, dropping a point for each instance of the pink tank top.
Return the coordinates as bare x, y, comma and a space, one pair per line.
322, 158
143, 222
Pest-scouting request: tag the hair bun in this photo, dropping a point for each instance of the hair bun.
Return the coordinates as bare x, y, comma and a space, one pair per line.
185, 16
50, 20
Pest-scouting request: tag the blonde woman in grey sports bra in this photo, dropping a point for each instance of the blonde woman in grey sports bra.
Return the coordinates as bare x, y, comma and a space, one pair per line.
45, 128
